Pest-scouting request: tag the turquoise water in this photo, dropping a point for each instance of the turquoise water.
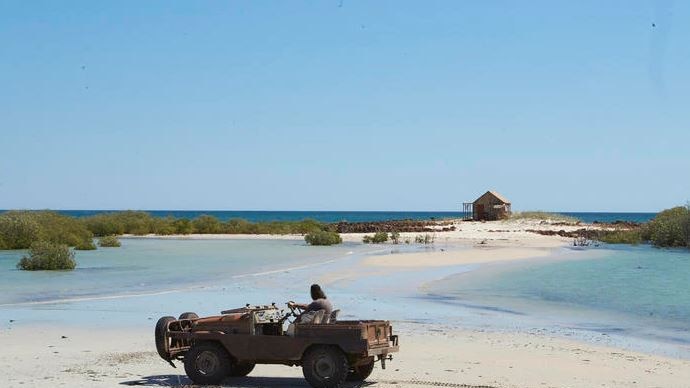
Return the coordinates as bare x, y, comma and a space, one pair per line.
152, 265
638, 281
636, 290
633, 297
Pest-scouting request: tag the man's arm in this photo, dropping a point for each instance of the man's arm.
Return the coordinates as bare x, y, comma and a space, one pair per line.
302, 306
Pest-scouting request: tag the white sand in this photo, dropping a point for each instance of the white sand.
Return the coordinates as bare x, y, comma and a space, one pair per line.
509, 232
39, 357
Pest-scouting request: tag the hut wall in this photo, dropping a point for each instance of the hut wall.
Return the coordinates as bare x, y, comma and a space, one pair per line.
488, 207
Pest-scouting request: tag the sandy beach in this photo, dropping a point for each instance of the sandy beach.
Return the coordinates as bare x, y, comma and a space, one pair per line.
432, 354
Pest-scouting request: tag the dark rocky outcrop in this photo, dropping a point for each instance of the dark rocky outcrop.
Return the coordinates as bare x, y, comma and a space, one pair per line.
414, 226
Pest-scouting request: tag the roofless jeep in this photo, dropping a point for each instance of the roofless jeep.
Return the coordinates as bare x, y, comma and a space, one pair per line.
330, 351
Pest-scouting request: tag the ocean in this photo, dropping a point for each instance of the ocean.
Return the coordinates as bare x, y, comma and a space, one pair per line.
351, 216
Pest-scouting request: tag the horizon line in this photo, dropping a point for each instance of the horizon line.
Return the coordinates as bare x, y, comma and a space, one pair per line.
312, 211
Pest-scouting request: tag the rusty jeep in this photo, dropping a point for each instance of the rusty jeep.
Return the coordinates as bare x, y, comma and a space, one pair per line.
329, 351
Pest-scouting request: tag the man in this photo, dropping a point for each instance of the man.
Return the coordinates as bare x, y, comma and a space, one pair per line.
319, 302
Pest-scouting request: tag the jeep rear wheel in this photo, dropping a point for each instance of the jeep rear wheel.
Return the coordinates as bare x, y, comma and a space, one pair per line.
207, 363
325, 367
241, 369
362, 371
161, 338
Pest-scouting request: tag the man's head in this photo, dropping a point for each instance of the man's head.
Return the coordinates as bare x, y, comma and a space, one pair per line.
317, 292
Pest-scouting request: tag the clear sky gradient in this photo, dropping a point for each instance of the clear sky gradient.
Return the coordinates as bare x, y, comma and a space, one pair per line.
344, 105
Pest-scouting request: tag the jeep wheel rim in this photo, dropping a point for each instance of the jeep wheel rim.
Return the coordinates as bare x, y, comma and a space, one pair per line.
324, 367
207, 363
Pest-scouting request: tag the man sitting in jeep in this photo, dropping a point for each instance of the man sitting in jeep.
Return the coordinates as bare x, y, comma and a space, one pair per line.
319, 302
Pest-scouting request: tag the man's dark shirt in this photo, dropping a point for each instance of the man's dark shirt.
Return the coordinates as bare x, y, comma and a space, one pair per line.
321, 304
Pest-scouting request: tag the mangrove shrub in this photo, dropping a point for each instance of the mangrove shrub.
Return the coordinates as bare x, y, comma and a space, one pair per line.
44, 255
109, 242
669, 228
377, 238
323, 238
86, 246
205, 224
19, 229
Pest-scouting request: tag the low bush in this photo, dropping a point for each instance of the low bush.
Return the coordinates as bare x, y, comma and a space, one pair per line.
126, 222
109, 242
377, 238
632, 236
670, 228
380, 237
19, 229
323, 238
86, 246
163, 226
44, 255
395, 237
206, 224
182, 226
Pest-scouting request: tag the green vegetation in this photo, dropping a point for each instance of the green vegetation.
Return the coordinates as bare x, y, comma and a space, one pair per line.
322, 237
240, 226
19, 229
45, 255
182, 226
395, 237
141, 223
207, 225
670, 228
128, 222
543, 216
109, 242
624, 236
86, 246
377, 238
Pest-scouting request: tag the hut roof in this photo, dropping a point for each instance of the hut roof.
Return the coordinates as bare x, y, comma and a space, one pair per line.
495, 194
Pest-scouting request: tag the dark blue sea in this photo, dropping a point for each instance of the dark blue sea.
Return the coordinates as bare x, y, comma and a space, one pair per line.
351, 216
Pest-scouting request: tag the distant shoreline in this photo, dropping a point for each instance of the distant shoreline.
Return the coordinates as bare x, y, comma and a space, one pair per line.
334, 216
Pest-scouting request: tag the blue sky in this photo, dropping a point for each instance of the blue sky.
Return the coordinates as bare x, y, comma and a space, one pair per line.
344, 105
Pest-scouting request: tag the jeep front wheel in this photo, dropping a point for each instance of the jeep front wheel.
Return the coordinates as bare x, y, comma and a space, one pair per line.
162, 337
207, 363
325, 367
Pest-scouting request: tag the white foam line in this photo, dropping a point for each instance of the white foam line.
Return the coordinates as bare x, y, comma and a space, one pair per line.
91, 298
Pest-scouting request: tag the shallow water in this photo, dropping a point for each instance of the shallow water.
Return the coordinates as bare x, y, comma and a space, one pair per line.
601, 295
640, 281
152, 265
638, 292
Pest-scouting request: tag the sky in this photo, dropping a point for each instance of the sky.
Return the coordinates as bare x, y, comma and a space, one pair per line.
344, 105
